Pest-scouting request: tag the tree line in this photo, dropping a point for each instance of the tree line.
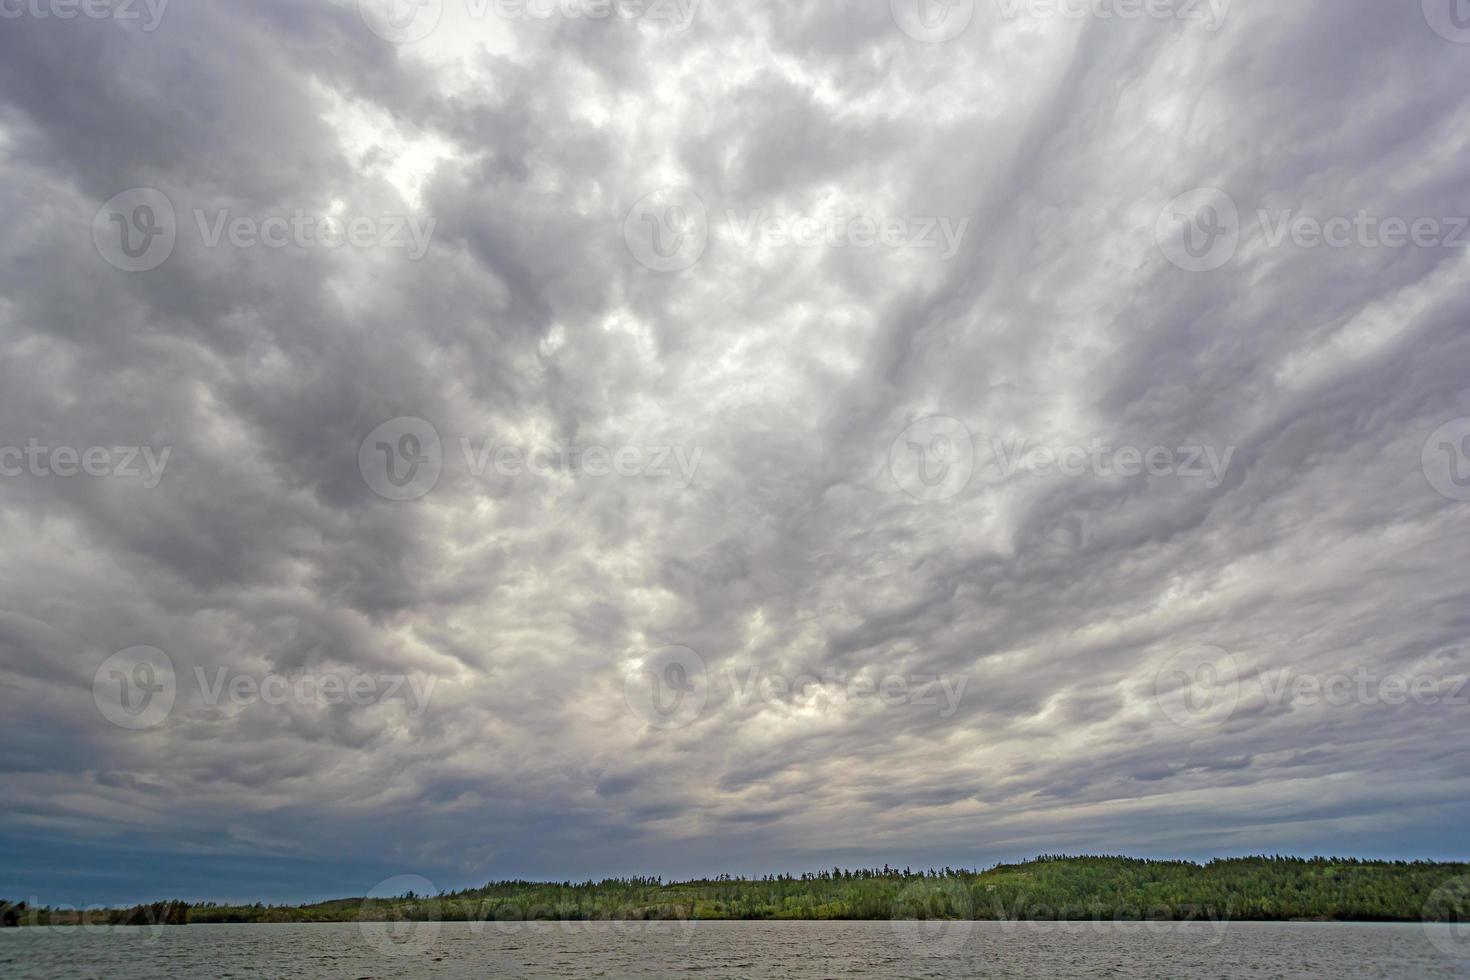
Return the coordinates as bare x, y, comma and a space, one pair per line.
1052, 887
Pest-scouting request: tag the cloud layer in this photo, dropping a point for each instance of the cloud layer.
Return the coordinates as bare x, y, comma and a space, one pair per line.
800, 337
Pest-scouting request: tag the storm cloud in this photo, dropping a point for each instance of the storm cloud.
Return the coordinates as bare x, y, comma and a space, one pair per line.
751, 437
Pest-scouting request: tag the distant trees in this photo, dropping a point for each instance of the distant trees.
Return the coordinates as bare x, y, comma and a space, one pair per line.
1051, 887
156, 914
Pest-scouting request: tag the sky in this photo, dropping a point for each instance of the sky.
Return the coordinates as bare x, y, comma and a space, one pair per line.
478, 439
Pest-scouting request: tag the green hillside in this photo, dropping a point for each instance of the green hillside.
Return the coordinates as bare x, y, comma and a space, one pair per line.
1053, 887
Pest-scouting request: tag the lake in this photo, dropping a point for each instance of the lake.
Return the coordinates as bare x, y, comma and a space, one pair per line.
739, 950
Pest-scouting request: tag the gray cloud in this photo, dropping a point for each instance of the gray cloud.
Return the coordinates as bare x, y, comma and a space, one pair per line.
528, 597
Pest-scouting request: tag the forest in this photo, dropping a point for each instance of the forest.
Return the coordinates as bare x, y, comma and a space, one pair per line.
1052, 887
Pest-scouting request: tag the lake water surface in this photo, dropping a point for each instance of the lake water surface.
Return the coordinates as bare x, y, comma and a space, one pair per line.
720, 950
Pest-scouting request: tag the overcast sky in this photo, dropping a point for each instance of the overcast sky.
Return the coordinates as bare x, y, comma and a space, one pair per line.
476, 442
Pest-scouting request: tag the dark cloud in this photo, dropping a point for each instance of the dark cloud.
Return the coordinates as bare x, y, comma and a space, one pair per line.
781, 377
